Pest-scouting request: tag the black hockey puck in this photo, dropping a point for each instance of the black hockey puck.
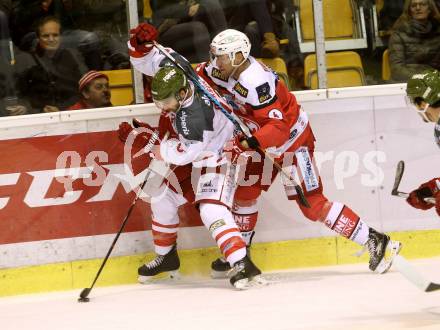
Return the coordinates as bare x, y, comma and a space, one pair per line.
83, 299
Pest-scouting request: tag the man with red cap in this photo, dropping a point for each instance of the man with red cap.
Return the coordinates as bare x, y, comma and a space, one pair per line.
94, 91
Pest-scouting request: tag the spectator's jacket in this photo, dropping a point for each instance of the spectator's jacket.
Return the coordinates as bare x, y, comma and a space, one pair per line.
259, 96
414, 48
81, 105
47, 80
168, 9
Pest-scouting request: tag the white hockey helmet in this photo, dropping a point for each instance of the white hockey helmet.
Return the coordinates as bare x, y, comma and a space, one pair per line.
230, 42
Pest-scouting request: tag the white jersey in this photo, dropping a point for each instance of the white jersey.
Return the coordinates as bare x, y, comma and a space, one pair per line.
256, 86
202, 128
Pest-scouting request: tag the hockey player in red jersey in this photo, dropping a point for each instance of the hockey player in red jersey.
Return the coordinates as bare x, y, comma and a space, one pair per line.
201, 133
282, 129
423, 90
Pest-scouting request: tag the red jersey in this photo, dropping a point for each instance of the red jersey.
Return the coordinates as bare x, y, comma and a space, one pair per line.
259, 96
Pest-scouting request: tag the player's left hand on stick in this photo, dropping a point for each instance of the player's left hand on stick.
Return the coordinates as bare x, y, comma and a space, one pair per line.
416, 197
237, 151
437, 203
141, 134
142, 37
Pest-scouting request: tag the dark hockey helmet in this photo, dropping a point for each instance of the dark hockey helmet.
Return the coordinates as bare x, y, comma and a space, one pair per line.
424, 87
167, 83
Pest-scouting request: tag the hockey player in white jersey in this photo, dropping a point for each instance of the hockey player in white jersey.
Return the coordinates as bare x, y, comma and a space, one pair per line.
282, 129
202, 132
423, 91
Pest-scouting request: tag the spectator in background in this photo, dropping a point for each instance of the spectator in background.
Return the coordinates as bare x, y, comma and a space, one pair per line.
10, 104
49, 75
253, 18
108, 20
390, 12
26, 13
5, 72
414, 44
94, 91
187, 26
282, 15
5, 10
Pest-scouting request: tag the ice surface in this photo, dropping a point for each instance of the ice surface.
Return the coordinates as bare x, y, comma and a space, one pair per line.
340, 297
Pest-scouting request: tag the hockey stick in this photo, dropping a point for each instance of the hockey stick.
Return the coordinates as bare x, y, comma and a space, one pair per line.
413, 275
83, 297
204, 88
399, 174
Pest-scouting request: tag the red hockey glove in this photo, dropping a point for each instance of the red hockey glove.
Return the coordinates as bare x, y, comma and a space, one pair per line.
236, 152
141, 136
437, 203
427, 189
142, 37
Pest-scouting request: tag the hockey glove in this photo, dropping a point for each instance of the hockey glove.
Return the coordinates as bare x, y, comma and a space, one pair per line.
142, 37
427, 189
236, 152
437, 203
142, 133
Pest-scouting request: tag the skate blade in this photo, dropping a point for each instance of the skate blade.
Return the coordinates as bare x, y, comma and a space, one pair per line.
385, 264
245, 284
174, 274
215, 274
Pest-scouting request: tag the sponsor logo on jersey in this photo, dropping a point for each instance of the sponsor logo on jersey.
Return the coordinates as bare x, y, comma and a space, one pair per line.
241, 90
209, 186
305, 164
216, 225
263, 92
216, 73
183, 123
275, 114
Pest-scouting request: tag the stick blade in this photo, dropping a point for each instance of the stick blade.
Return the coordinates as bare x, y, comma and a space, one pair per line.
432, 287
399, 173
408, 271
83, 296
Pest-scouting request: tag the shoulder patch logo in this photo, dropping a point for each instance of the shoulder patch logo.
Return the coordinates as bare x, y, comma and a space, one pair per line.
263, 92
275, 114
217, 74
241, 90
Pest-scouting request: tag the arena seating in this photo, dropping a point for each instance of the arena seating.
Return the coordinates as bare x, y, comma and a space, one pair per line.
344, 69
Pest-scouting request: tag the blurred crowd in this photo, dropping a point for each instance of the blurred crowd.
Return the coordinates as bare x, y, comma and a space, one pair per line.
49, 48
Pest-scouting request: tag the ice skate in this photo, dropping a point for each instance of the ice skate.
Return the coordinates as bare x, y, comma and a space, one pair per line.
244, 274
162, 263
220, 267
377, 246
